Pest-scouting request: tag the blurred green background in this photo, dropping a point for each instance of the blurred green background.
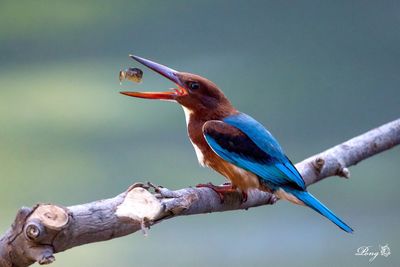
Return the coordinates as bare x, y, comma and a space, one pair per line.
315, 72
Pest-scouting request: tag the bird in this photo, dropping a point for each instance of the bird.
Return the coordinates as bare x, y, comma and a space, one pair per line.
233, 143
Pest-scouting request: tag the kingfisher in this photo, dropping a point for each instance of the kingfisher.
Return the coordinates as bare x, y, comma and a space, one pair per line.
233, 143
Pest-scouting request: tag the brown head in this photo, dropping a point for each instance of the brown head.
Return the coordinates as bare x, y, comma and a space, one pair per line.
193, 92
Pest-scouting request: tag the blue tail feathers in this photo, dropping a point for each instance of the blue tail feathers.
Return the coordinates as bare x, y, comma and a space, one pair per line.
316, 205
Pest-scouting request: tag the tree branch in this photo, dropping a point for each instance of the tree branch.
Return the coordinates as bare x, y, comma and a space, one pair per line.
39, 232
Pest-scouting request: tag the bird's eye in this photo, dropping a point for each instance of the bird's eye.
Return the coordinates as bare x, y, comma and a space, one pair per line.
194, 86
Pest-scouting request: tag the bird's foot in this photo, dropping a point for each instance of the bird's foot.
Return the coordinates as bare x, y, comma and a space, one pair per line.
221, 190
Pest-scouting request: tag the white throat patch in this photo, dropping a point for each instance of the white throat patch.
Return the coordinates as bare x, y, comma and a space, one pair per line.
199, 154
188, 112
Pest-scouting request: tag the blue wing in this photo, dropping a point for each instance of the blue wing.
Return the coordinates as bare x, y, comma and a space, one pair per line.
241, 140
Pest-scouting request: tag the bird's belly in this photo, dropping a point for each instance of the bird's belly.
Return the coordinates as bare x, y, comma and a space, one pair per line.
243, 179
240, 178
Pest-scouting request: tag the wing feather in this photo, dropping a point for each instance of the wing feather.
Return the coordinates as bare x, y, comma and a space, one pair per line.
263, 156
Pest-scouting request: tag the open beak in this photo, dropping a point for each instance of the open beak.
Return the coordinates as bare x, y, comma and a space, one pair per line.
164, 71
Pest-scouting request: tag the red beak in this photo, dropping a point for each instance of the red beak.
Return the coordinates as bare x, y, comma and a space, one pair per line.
168, 95
164, 71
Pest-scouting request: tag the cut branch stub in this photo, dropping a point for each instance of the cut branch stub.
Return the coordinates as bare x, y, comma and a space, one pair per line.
51, 216
141, 206
43, 224
34, 230
319, 164
344, 172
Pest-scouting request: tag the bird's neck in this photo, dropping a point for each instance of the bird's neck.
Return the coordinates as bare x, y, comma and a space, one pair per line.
195, 118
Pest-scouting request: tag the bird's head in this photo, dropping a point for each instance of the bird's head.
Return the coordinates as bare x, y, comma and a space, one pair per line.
192, 91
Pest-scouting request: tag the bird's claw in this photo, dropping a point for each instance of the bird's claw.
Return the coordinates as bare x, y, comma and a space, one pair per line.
216, 189
221, 190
